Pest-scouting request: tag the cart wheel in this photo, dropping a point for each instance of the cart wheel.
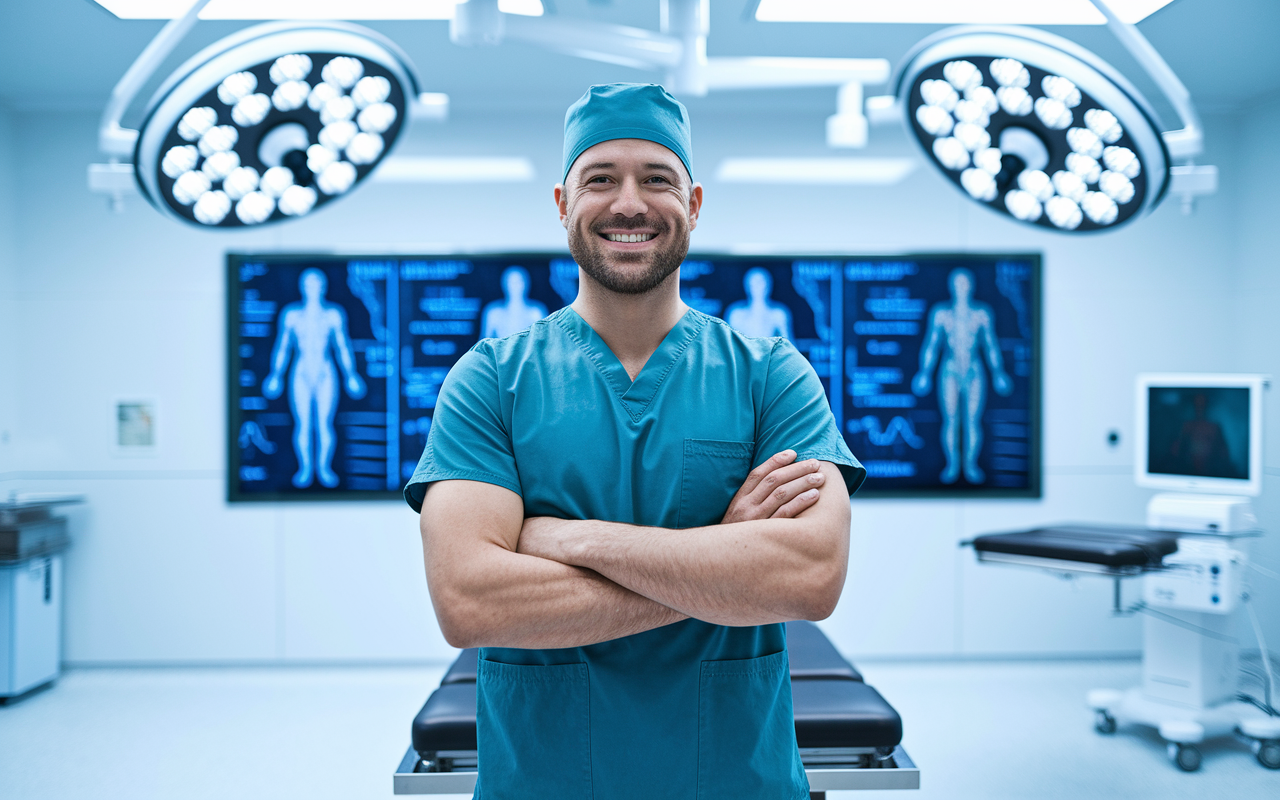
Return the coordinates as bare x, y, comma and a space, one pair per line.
1186, 756
1104, 722
1269, 754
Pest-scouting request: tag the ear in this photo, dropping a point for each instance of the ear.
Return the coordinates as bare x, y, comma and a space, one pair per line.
562, 203
695, 205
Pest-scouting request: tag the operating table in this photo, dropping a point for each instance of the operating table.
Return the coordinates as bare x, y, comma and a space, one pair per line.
849, 736
1192, 590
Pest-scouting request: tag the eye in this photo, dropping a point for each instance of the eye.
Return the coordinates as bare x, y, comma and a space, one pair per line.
598, 179
658, 179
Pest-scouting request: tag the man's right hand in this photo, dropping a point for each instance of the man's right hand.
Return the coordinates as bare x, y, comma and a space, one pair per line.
780, 487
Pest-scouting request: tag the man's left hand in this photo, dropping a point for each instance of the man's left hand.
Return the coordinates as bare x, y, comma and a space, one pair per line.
781, 487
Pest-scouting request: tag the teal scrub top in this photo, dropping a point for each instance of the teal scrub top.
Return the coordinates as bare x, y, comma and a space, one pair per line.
689, 710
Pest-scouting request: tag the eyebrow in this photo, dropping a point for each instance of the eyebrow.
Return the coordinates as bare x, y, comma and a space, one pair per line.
652, 165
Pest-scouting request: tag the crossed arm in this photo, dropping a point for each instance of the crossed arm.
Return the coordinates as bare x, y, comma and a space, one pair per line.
500, 580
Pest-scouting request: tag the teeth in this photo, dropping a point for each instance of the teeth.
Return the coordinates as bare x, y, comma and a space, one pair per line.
629, 237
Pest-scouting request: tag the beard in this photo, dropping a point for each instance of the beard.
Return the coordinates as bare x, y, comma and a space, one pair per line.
609, 269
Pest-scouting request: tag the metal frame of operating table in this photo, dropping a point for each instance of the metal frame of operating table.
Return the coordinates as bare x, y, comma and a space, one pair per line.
897, 771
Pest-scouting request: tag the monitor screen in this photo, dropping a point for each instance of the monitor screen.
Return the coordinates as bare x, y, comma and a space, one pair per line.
1200, 431
930, 363
337, 361
941, 374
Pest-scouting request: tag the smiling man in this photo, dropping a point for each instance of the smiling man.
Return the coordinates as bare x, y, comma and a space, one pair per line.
621, 505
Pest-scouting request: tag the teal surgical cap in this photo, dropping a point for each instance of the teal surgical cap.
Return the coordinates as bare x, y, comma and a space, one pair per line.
626, 111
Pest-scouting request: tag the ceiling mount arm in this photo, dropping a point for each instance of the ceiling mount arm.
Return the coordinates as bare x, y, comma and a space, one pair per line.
114, 140
482, 23
612, 44
1183, 143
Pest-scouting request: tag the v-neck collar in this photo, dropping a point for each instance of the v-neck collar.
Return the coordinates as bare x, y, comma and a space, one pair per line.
635, 396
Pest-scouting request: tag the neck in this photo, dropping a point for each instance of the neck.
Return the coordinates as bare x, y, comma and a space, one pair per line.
632, 325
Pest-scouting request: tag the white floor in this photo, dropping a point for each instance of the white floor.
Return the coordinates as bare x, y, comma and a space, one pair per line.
977, 730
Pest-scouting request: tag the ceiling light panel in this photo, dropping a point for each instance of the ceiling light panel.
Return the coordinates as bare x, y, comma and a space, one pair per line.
307, 9
454, 169
953, 12
831, 171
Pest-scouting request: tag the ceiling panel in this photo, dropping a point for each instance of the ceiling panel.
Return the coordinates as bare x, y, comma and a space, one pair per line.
69, 53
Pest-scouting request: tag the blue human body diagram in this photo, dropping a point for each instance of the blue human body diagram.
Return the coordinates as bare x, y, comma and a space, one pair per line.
941, 358
930, 363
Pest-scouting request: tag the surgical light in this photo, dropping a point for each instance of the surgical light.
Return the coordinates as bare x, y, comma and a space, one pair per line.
1046, 132
272, 123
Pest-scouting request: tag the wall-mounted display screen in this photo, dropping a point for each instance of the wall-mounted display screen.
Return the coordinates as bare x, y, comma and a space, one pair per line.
931, 363
941, 358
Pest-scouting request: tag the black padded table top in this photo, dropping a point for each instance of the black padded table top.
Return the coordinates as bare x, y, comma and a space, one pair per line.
843, 713
448, 720
810, 652
463, 669
828, 713
812, 655
1108, 546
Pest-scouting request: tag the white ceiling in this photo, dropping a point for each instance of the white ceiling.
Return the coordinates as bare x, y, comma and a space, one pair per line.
67, 54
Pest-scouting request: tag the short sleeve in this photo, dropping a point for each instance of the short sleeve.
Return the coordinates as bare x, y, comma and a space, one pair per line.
468, 439
795, 414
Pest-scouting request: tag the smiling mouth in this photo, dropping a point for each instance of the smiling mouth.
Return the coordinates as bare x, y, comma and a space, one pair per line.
629, 237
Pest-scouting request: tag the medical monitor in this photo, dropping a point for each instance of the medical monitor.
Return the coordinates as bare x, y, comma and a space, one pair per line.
941, 374
1199, 433
930, 363
335, 362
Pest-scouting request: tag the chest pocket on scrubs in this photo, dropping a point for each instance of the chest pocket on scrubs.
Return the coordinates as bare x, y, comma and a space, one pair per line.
533, 728
713, 472
746, 736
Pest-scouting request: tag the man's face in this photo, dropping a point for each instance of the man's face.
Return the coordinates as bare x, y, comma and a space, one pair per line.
629, 206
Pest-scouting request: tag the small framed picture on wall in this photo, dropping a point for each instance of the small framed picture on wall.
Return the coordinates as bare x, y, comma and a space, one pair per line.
134, 430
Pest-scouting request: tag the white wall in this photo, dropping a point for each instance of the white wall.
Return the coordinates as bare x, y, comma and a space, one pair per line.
164, 570
1258, 208
8, 274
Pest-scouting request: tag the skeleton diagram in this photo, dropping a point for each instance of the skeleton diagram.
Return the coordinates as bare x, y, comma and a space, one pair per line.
758, 315
313, 328
515, 311
964, 331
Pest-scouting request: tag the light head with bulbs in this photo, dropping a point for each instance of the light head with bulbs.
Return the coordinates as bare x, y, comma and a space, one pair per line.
272, 123
1034, 127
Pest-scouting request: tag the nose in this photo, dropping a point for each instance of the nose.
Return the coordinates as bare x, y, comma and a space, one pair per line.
629, 201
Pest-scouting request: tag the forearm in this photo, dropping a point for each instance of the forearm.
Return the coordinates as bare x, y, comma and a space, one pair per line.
745, 573
753, 572
485, 594
515, 600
